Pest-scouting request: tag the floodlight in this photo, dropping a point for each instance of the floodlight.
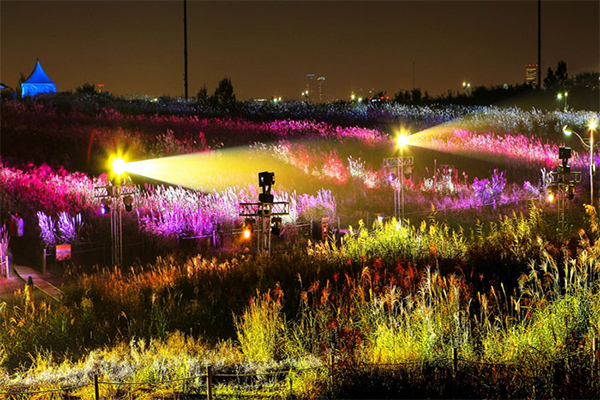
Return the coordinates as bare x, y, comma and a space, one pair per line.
266, 179
564, 153
593, 124
402, 140
105, 207
128, 202
276, 226
248, 228
118, 166
571, 192
551, 197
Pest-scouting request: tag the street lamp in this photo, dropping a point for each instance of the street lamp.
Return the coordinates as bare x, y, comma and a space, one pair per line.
564, 95
592, 125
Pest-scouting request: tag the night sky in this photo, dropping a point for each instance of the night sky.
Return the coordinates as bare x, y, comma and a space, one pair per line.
267, 48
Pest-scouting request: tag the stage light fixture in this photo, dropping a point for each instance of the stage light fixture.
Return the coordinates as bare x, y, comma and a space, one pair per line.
266, 180
248, 228
128, 202
105, 207
276, 226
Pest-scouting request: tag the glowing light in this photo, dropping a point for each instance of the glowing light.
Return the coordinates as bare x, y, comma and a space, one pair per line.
402, 140
559, 96
247, 233
118, 166
550, 197
567, 131
593, 124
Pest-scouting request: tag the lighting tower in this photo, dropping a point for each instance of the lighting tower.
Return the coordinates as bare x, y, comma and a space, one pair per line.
592, 125
119, 190
561, 186
267, 211
397, 164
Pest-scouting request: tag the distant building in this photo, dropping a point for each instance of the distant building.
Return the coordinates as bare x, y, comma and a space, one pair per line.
531, 74
311, 87
321, 88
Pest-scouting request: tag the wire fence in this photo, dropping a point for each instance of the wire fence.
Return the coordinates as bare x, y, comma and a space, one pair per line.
450, 370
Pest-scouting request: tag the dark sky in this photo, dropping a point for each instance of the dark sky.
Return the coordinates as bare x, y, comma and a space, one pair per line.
267, 48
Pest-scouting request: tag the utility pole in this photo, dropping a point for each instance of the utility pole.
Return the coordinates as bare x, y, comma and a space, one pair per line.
185, 54
539, 44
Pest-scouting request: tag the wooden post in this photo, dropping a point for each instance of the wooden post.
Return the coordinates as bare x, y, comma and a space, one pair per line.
455, 359
332, 370
7, 268
595, 355
209, 382
96, 389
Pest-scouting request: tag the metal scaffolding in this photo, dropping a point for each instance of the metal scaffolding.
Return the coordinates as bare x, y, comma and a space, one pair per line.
397, 165
112, 196
562, 184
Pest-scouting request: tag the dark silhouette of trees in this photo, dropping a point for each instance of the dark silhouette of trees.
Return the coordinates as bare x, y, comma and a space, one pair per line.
202, 95
86, 88
558, 80
224, 94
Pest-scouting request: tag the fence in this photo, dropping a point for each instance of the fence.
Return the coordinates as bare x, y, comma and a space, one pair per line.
451, 372
5, 267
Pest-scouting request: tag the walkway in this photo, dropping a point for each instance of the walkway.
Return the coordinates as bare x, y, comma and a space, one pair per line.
25, 272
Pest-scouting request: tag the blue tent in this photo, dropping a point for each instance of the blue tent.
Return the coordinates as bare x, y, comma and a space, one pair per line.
38, 82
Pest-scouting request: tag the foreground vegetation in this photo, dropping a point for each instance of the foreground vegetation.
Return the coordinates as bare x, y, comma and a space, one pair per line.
398, 306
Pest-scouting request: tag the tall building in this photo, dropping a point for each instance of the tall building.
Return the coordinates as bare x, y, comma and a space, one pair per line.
321, 88
311, 87
531, 74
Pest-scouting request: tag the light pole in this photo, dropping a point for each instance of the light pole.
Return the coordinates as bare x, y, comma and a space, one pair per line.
564, 95
592, 125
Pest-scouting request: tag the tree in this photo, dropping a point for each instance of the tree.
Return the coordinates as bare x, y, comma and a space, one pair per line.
224, 92
86, 88
550, 80
22, 79
562, 76
558, 80
202, 94
416, 95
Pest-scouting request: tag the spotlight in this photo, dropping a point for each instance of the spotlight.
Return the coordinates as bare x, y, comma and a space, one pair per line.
266, 180
564, 153
105, 207
551, 193
248, 228
571, 192
276, 226
402, 140
118, 166
128, 202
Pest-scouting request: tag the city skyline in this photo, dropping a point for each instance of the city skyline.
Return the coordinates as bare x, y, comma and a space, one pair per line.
267, 48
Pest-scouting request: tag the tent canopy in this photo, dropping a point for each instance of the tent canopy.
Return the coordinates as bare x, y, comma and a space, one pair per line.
38, 82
